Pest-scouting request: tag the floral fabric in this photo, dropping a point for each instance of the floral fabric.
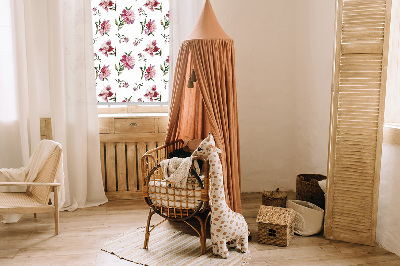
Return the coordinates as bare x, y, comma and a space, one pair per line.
131, 45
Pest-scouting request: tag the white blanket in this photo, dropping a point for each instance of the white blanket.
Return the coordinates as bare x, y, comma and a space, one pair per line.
176, 170
29, 173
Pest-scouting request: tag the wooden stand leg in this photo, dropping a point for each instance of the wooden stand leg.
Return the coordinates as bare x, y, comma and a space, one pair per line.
147, 235
34, 215
56, 212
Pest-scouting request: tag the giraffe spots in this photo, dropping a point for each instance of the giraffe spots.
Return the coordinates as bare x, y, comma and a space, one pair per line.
225, 224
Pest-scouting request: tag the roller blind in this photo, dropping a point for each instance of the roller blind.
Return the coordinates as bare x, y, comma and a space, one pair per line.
358, 97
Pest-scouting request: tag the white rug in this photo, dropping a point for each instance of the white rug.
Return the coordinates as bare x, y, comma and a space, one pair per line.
168, 247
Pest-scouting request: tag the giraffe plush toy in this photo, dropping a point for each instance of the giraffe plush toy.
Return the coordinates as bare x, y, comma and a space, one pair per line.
226, 225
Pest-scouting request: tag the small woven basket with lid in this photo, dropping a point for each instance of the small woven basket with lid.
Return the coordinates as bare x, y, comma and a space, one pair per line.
274, 198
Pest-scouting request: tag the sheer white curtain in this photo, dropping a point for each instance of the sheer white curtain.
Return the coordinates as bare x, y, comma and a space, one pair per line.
183, 17
55, 78
10, 144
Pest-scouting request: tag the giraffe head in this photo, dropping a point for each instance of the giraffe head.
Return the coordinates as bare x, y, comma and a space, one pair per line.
206, 147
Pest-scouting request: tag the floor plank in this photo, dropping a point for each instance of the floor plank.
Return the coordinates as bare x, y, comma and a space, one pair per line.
82, 233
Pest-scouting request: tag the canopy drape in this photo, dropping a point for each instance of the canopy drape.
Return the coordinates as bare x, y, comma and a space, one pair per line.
211, 106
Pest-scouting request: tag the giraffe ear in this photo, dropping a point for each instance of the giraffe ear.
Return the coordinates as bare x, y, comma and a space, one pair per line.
216, 149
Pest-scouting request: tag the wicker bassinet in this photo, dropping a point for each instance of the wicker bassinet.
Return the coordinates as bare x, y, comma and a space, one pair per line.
175, 203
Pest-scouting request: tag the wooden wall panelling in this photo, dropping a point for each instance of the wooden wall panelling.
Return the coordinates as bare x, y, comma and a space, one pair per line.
124, 141
141, 149
110, 167
129, 137
134, 125
103, 166
162, 125
106, 125
132, 166
121, 167
358, 96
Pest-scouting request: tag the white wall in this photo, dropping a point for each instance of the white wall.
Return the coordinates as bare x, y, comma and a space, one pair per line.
314, 60
388, 227
284, 52
264, 34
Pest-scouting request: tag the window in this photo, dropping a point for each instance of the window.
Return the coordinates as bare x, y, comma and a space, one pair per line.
131, 50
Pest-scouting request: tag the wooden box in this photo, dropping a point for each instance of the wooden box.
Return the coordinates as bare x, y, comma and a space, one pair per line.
275, 225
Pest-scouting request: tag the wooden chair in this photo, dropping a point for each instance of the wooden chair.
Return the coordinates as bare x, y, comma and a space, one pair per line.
174, 204
36, 197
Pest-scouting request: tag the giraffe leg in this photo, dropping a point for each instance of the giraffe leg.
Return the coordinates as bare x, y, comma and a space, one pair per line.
222, 249
243, 243
215, 248
233, 243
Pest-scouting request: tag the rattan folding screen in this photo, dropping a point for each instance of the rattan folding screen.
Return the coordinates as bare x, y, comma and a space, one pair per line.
358, 97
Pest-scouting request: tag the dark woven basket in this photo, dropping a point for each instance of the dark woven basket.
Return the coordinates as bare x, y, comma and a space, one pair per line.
308, 189
274, 198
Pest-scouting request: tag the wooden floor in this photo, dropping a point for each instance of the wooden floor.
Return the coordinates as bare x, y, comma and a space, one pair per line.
82, 233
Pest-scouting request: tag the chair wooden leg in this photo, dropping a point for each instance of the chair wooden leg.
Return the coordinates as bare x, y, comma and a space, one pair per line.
203, 236
56, 211
147, 235
34, 215
203, 232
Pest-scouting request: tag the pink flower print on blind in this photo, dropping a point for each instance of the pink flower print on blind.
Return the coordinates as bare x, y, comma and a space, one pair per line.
105, 72
150, 73
152, 48
152, 4
127, 61
107, 4
128, 16
150, 27
152, 94
107, 49
103, 27
131, 45
106, 93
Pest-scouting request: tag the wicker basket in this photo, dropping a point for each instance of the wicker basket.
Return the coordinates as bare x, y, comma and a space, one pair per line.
274, 198
275, 225
308, 189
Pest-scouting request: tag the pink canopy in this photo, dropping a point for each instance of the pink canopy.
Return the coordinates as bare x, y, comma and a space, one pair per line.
211, 105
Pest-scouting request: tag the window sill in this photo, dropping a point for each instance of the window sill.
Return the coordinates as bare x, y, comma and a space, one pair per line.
127, 115
133, 110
